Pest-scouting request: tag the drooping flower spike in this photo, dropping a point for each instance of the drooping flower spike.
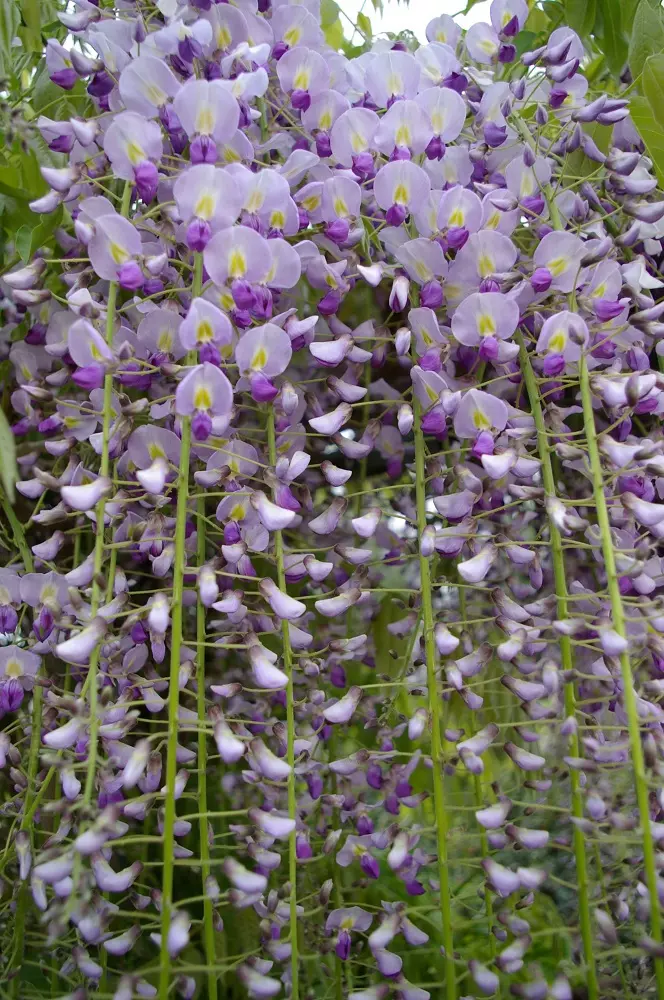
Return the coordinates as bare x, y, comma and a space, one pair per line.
333, 576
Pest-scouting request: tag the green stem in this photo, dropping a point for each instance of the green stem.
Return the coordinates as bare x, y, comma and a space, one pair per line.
204, 846
484, 847
290, 725
629, 694
558, 561
97, 592
434, 709
16, 961
17, 532
179, 565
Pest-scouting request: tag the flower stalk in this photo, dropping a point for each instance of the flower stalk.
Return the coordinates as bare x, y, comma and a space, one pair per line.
290, 728
179, 565
629, 693
567, 662
430, 654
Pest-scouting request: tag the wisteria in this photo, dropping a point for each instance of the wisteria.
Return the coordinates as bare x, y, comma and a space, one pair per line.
331, 599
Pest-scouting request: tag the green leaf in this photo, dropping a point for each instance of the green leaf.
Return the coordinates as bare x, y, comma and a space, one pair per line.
537, 21
647, 37
9, 23
329, 12
581, 15
8, 467
30, 238
32, 20
10, 183
364, 24
650, 130
614, 42
334, 34
652, 84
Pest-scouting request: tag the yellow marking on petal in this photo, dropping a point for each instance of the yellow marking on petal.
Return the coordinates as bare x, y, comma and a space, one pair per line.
27, 374
205, 206
401, 194
331, 281
402, 137
165, 340
239, 512
226, 351
493, 221
311, 202
259, 359
441, 36
154, 94
255, 201
135, 154
480, 420
485, 265
488, 46
277, 219
204, 332
205, 120
5, 597
223, 37
156, 451
527, 186
557, 342
358, 142
600, 291
13, 668
118, 253
395, 84
457, 218
292, 36
431, 393
202, 398
340, 208
302, 79
438, 121
226, 301
48, 593
485, 325
230, 155
70, 422
325, 121
557, 266
95, 352
423, 271
237, 264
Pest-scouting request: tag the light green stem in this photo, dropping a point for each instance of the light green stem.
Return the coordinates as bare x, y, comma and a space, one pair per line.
204, 847
434, 709
16, 961
179, 565
290, 725
560, 582
629, 694
97, 591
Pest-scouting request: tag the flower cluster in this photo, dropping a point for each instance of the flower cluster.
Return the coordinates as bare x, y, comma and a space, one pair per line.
332, 612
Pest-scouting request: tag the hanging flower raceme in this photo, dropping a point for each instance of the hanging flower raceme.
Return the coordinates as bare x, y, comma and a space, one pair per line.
333, 580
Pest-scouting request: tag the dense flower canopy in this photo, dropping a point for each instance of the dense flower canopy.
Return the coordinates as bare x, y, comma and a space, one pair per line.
333, 639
